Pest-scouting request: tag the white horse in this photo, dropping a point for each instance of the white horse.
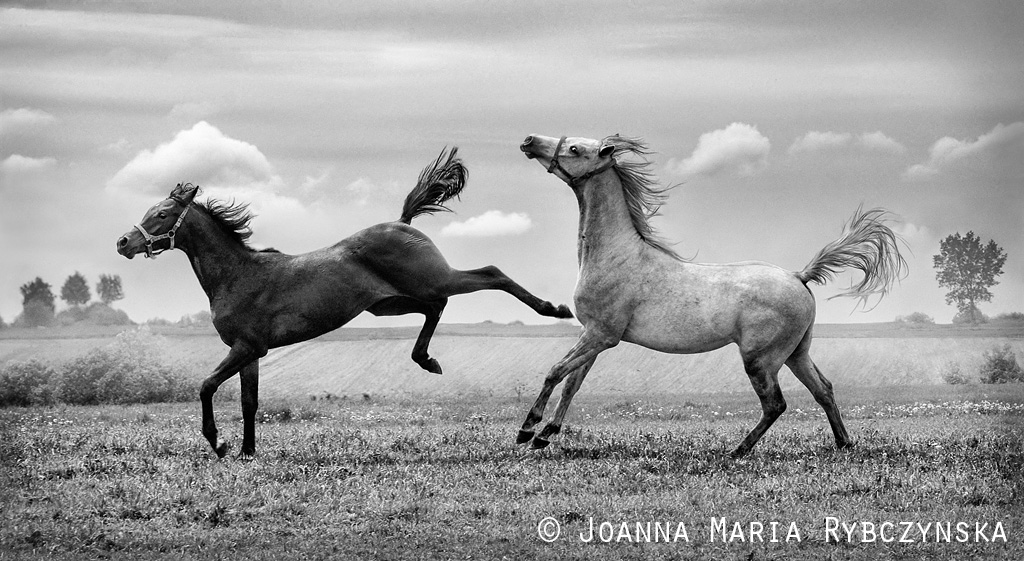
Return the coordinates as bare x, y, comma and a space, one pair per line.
632, 287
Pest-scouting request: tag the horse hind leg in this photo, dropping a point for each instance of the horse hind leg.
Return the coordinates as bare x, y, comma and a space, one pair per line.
764, 377
491, 278
808, 373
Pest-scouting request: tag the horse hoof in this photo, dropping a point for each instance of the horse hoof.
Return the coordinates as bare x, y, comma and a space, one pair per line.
221, 449
540, 443
524, 436
431, 365
563, 312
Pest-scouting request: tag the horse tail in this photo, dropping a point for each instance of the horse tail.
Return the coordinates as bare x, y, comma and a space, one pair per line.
438, 182
866, 244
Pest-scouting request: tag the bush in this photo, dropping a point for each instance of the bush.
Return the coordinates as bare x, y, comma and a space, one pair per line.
127, 371
1001, 367
71, 316
25, 383
953, 375
965, 317
916, 318
101, 314
1011, 317
35, 314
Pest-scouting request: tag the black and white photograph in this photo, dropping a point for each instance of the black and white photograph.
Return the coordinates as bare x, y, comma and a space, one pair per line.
443, 279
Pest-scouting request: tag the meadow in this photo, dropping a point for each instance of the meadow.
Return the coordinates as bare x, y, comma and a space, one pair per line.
394, 472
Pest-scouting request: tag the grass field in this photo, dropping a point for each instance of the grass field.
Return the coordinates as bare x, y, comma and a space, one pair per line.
435, 475
440, 478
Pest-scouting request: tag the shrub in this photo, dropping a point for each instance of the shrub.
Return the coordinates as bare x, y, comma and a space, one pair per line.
965, 317
102, 314
1011, 317
1001, 366
35, 314
25, 383
71, 316
129, 370
916, 318
953, 375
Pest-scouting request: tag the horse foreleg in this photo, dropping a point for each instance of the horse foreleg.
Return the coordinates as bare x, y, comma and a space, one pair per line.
250, 379
420, 356
491, 278
400, 305
239, 356
582, 353
572, 385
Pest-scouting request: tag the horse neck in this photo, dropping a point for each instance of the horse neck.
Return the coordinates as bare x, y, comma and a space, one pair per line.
215, 256
605, 224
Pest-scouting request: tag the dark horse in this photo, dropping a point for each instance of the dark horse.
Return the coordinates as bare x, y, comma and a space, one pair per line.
266, 299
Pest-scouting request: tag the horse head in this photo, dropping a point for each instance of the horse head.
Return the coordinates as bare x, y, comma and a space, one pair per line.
573, 160
155, 233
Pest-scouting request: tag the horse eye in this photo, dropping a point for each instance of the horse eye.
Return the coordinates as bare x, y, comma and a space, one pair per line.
162, 214
574, 150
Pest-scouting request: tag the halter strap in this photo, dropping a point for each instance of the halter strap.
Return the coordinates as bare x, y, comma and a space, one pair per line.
151, 253
574, 182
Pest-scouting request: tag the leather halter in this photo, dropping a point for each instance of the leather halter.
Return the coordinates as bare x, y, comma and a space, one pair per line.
151, 253
576, 181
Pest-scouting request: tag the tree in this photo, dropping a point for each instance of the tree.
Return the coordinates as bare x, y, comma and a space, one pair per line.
109, 288
37, 291
968, 269
37, 301
75, 290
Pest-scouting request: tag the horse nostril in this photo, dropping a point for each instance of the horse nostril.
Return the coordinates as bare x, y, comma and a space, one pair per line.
123, 241
528, 141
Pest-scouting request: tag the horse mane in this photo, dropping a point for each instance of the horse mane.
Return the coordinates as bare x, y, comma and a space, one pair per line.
643, 195
233, 218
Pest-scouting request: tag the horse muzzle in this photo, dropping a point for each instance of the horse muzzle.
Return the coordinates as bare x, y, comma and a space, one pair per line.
525, 147
535, 147
125, 247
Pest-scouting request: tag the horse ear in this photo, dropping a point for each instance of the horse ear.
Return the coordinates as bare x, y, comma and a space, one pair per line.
606, 151
184, 193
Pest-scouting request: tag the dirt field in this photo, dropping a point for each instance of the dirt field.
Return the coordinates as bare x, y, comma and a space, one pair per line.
507, 361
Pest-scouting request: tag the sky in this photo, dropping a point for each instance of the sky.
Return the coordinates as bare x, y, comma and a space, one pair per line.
775, 120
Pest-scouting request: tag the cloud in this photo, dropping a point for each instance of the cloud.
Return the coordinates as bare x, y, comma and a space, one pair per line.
1000, 148
815, 141
490, 223
880, 142
25, 118
738, 148
17, 163
202, 155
